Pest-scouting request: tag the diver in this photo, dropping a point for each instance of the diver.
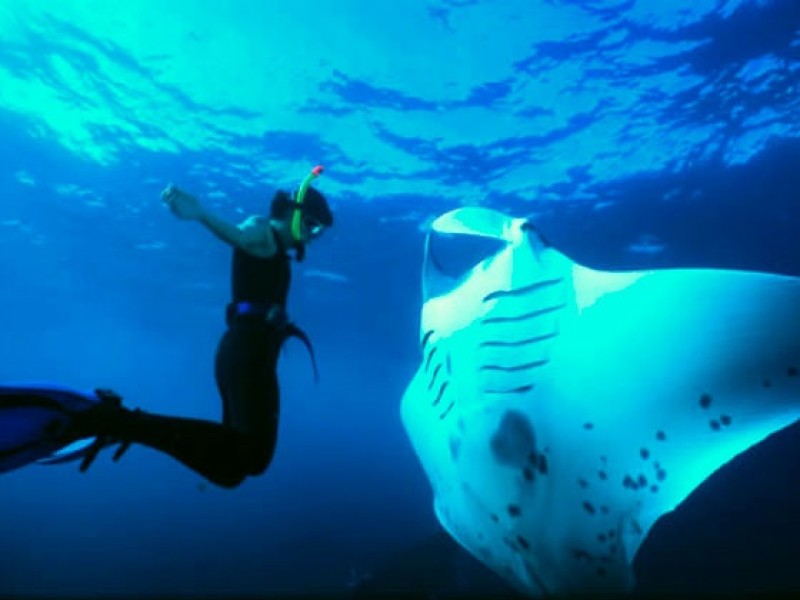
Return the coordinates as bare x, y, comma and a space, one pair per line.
245, 367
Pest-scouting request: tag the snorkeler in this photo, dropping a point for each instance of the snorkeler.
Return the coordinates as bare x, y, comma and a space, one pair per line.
38, 421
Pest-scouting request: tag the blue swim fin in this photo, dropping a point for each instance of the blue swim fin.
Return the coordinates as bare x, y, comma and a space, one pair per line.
33, 419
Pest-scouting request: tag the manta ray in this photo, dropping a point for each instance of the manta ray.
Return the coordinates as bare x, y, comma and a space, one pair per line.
559, 411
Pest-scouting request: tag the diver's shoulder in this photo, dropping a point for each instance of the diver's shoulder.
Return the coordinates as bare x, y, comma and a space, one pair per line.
257, 237
254, 221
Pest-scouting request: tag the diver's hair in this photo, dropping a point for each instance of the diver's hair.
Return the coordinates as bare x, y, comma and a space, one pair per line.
314, 205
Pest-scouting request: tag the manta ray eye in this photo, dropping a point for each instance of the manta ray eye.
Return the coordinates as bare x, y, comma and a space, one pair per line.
451, 257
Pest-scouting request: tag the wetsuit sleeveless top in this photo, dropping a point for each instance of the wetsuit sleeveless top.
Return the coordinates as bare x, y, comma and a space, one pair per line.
260, 281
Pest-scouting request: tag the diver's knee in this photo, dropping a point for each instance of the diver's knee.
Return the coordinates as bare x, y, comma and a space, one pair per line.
251, 455
230, 481
261, 454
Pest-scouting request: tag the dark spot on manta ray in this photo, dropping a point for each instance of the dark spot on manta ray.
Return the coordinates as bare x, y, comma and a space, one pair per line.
523, 542
725, 420
628, 482
514, 439
455, 447
581, 554
766, 383
602, 475
588, 426
644, 453
705, 400
514, 510
661, 436
601, 537
583, 483
527, 474
495, 518
714, 424
542, 464
589, 507
611, 535
661, 474
792, 371
654, 489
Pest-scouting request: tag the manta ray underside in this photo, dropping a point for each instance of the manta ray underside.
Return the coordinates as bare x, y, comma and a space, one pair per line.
559, 411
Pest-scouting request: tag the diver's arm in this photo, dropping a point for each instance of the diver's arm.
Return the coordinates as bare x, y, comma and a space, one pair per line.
222, 229
253, 235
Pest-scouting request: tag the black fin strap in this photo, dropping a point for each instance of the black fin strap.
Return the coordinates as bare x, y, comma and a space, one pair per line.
92, 451
110, 398
98, 444
293, 330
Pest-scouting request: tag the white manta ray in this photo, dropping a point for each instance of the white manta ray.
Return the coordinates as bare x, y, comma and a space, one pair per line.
559, 411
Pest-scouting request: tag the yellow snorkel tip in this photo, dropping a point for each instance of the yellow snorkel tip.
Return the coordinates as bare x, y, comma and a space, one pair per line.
297, 217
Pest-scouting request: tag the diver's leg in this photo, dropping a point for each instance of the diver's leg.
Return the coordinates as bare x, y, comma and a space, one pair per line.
36, 421
224, 453
219, 453
245, 370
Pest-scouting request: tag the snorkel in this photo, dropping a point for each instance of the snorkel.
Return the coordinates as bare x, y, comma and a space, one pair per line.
297, 217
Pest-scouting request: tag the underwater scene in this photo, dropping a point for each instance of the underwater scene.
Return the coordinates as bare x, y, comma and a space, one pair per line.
436, 298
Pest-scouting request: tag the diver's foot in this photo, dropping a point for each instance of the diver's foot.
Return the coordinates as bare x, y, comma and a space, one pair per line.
101, 421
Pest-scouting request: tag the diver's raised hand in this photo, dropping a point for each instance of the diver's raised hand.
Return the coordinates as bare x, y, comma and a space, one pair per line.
183, 205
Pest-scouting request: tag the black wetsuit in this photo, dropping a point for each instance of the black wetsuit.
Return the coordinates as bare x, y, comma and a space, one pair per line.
247, 354
245, 369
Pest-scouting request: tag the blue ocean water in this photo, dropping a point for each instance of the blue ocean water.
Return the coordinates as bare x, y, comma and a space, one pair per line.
636, 133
